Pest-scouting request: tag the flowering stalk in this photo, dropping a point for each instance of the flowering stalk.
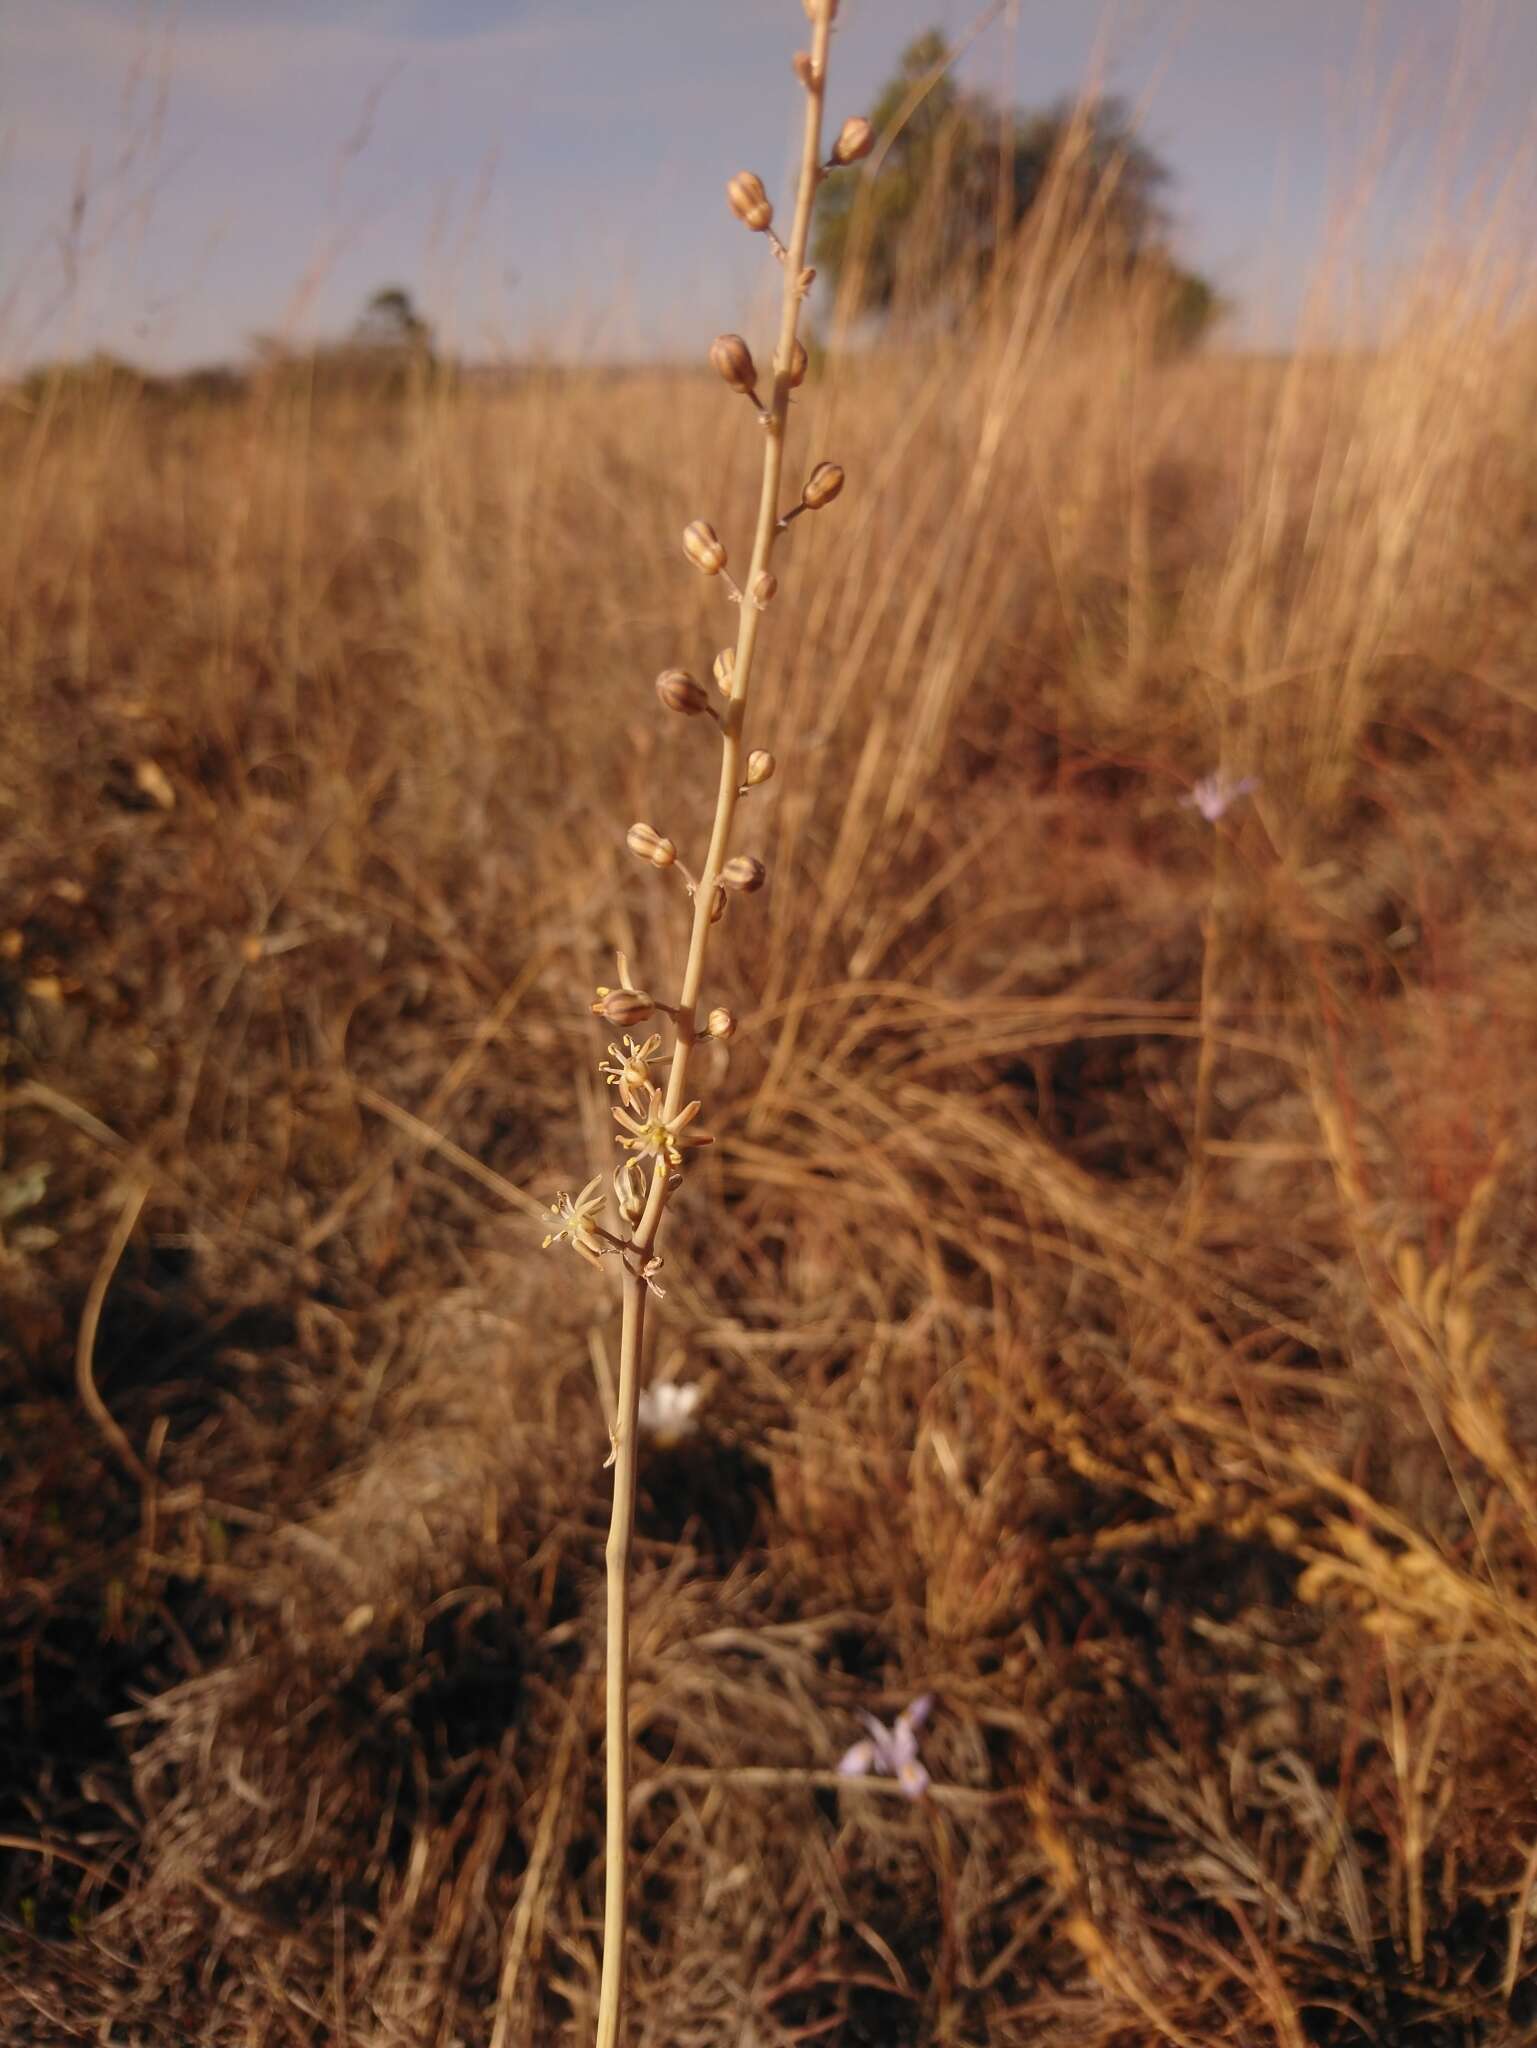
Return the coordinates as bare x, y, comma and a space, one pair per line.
657, 1126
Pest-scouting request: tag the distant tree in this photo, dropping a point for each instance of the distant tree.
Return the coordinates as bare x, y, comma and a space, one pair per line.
957, 179
383, 355
390, 321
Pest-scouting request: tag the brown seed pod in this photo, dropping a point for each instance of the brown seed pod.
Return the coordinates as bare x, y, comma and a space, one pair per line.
822, 486
749, 202
679, 692
856, 138
702, 544
646, 843
800, 363
744, 874
760, 767
733, 359
722, 1024
625, 1007
725, 669
803, 68
764, 587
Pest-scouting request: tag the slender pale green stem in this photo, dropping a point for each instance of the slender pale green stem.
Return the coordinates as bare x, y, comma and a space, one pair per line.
621, 1527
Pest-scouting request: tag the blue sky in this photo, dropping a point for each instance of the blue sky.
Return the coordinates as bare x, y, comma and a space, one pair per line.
549, 172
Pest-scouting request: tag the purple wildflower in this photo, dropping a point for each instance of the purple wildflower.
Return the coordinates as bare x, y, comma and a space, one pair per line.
1215, 794
892, 1752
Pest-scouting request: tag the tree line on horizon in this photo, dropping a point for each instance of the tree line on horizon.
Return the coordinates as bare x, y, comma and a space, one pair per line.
956, 179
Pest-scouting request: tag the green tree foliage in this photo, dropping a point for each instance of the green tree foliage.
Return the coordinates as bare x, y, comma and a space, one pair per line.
957, 179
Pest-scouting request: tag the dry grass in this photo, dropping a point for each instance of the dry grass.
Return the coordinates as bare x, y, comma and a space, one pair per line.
1112, 1275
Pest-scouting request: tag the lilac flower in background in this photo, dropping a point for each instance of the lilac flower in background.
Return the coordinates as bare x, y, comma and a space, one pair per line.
1215, 794
892, 1752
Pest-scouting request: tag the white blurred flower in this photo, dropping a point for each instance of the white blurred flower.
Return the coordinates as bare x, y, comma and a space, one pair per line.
892, 1752
1215, 794
667, 1412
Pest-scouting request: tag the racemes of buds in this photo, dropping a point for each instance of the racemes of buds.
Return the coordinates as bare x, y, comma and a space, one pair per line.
657, 1128
678, 690
856, 139
749, 202
646, 843
704, 547
731, 356
744, 874
625, 1007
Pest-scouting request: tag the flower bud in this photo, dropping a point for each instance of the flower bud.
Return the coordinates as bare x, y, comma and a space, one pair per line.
648, 844
744, 874
764, 586
760, 767
800, 363
725, 669
702, 545
625, 1007
717, 904
856, 138
801, 65
822, 486
679, 692
722, 1024
733, 359
814, 8
749, 201
630, 1190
